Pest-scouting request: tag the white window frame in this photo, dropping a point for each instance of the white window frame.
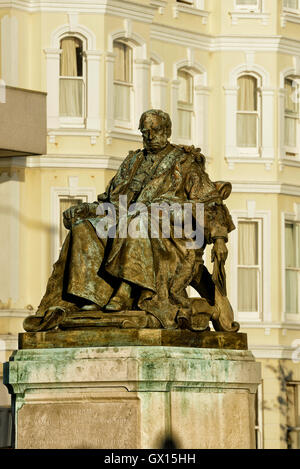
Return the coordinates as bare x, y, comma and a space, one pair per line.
291, 10
249, 12
76, 122
140, 90
253, 151
127, 124
187, 107
264, 218
248, 315
92, 56
57, 193
288, 217
265, 152
193, 7
201, 93
249, 7
293, 151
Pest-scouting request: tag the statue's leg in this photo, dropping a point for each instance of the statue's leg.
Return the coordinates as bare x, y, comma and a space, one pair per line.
75, 279
122, 299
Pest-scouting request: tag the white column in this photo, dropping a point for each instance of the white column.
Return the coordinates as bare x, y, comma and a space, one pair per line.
53, 59
268, 124
159, 92
174, 114
110, 60
201, 137
93, 89
9, 237
230, 122
9, 50
281, 107
141, 75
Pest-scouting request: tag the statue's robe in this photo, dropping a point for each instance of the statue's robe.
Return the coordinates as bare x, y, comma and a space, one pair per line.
90, 268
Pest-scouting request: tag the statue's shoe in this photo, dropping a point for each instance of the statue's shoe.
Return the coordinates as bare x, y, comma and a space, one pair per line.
118, 303
91, 307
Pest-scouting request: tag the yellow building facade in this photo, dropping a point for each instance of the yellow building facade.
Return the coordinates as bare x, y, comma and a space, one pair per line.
228, 73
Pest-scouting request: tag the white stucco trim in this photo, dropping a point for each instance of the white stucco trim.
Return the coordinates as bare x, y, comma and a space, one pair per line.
264, 218
92, 58
265, 151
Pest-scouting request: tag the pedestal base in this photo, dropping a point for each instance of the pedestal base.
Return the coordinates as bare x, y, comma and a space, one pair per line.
133, 397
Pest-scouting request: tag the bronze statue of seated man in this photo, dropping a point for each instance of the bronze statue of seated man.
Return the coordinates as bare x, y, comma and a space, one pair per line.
119, 269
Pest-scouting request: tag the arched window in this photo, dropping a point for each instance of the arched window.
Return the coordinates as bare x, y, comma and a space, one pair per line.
291, 116
123, 83
248, 112
72, 79
185, 105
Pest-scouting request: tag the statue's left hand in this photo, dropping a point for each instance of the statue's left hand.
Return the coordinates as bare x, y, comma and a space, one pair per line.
75, 213
219, 250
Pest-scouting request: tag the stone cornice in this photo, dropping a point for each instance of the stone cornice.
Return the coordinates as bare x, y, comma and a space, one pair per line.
124, 8
277, 44
63, 161
266, 188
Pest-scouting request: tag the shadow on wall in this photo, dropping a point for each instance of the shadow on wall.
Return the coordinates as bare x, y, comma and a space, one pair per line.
288, 406
5, 427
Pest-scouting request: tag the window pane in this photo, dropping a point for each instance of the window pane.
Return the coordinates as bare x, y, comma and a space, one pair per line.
247, 93
71, 57
122, 102
185, 87
248, 243
290, 4
64, 204
184, 124
292, 245
70, 97
123, 62
247, 290
247, 130
291, 94
247, 2
291, 291
290, 131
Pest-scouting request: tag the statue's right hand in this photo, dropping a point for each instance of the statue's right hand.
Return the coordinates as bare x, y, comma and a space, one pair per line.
73, 213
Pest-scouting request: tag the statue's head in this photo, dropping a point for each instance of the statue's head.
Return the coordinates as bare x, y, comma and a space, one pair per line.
155, 126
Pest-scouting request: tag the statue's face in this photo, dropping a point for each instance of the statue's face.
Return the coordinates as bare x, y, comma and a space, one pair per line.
154, 133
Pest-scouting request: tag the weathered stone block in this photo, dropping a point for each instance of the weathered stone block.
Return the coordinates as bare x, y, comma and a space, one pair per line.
133, 397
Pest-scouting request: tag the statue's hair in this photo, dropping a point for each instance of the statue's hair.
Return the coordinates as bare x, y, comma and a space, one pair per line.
164, 116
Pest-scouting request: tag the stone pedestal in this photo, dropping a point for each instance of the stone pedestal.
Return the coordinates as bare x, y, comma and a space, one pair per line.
133, 397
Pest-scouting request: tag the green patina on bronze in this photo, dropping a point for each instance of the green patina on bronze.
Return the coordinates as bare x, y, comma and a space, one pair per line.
102, 285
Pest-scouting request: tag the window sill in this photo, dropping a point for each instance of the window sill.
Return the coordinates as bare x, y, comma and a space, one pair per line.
249, 15
290, 16
190, 10
292, 318
74, 132
289, 161
250, 318
159, 4
248, 159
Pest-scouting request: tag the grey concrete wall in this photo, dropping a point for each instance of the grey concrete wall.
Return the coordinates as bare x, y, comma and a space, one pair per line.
23, 122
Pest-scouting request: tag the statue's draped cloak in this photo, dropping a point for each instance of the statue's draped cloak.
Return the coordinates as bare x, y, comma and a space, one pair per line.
91, 268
